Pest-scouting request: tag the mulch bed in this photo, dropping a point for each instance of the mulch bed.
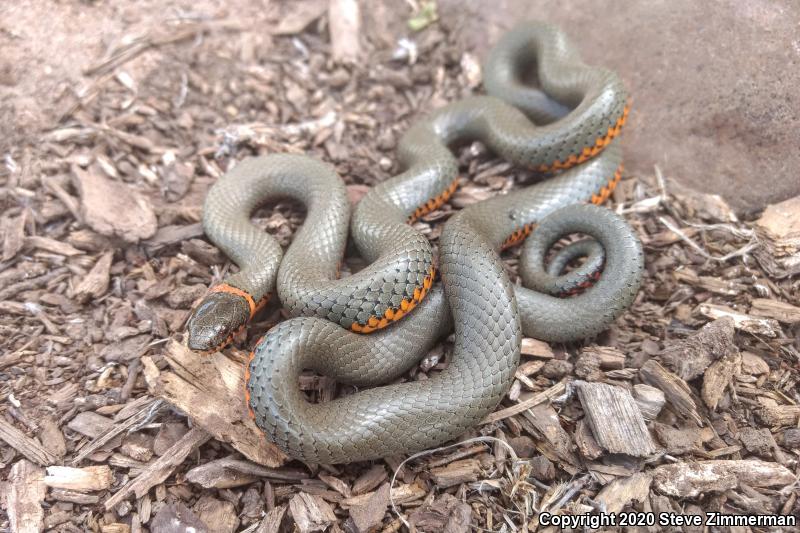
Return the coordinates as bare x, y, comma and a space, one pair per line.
689, 403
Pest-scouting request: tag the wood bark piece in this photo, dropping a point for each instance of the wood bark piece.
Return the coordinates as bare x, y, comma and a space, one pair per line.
229, 472
751, 324
690, 357
210, 391
161, 468
112, 208
95, 283
717, 378
780, 311
616, 421
311, 513
457, 472
549, 394
149, 409
344, 24
272, 522
542, 421
24, 497
536, 348
780, 415
175, 517
675, 389
689, 480
28, 447
649, 399
622, 491
87, 479
218, 515
370, 512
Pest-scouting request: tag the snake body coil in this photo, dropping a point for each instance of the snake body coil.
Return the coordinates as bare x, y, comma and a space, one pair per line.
572, 121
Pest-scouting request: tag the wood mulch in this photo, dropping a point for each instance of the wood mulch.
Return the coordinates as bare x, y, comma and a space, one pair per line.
689, 403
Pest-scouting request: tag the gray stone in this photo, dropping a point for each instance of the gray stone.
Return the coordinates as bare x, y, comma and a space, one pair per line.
714, 84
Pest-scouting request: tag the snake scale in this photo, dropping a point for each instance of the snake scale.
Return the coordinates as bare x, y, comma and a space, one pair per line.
570, 124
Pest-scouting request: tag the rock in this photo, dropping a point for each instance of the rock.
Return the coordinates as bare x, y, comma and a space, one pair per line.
112, 208
713, 115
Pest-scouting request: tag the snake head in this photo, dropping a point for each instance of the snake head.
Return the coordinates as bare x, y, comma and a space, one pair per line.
216, 320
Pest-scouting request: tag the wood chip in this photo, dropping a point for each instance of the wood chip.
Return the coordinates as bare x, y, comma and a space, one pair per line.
370, 513
549, 394
311, 513
616, 421
780, 311
272, 522
718, 377
457, 472
344, 24
622, 491
217, 515
300, 15
677, 392
95, 283
229, 472
112, 208
175, 517
690, 357
751, 324
157, 471
209, 391
28, 447
87, 479
24, 496
536, 348
649, 399
689, 480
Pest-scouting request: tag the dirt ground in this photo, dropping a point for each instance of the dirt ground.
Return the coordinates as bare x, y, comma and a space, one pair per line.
116, 119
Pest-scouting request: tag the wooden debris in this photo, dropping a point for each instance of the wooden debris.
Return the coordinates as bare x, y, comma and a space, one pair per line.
649, 399
24, 497
622, 491
95, 283
446, 513
524, 405
209, 391
616, 421
779, 227
777, 310
676, 390
217, 515
28, 447
689, 480
751, 324
780, 415
457, 472
87, 479
272, 522
175, 517
369, 514
112, 209
158, 470
229, 472
678, 441
690, 357
344, 23
718, 377
311, 513
536, 348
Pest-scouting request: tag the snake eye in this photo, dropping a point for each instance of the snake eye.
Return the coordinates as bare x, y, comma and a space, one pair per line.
215, 320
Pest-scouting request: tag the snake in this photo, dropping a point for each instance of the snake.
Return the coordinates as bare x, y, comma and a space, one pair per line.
371, 327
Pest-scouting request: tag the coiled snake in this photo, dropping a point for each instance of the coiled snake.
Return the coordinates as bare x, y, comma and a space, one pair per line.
571, 123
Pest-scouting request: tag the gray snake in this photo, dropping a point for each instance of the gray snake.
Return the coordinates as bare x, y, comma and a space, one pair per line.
571, 123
